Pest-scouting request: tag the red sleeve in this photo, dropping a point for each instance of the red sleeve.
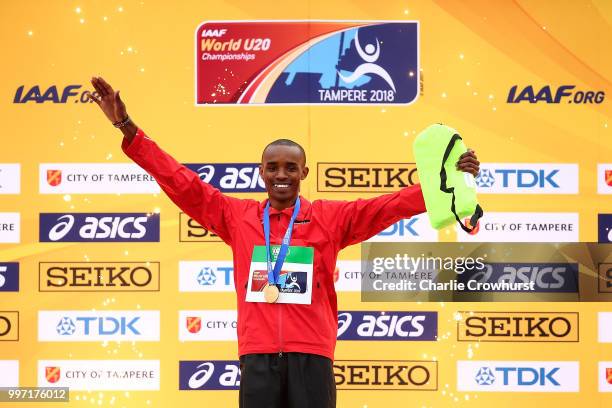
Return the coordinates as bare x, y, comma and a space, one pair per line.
201, 201
356, 221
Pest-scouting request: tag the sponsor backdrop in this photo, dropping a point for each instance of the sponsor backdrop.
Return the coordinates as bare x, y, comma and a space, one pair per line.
106, 286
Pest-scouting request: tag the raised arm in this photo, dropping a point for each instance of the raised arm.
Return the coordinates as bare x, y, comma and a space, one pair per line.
202, 202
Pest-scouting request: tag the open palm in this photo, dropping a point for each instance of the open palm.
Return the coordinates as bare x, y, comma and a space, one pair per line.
108, 100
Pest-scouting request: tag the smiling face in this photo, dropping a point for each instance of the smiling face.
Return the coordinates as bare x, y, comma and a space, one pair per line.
282, 169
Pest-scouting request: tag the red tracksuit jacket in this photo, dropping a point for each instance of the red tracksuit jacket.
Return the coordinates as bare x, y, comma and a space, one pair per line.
327, 226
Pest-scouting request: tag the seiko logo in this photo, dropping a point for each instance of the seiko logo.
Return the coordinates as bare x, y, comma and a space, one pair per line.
98, 276
385, 375
365, 177
518, 326
191, 231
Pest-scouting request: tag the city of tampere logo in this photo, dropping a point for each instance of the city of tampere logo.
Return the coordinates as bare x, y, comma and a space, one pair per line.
194, 324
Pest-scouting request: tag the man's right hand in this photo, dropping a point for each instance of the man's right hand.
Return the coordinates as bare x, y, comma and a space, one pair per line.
108, 100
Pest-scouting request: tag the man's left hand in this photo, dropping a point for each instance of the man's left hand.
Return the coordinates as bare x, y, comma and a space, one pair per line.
468, 162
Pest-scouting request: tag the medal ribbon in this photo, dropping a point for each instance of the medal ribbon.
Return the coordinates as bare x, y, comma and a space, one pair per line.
273, 272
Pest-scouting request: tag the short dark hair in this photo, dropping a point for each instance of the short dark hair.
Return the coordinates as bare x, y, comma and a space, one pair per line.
285, 142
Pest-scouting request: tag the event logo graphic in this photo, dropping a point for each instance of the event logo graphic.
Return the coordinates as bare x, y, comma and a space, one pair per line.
9, 276
365, 177
100, 227
207, 276
191, 231
527, 178
564, 93
546, 277
51, 94
98, 276
307, 62
98, 326
604, 374
604, 222
376, 375
10, 178
604, 178
398, 326
230, 177
209, 375
518, 376
609, 375
9, 326
518, 326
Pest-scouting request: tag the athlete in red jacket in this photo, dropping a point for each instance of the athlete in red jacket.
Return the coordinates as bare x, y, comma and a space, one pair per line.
286, 349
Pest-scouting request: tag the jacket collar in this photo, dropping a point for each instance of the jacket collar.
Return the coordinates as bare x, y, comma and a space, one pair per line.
304, 208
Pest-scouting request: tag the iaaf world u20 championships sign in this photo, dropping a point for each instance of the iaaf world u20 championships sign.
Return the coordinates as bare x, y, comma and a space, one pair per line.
307, 62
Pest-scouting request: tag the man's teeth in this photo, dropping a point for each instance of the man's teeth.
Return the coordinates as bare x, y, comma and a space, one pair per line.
281, 185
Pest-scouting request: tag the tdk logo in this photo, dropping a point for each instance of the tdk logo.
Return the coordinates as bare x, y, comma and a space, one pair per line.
214, 33
51, 94
103, 326
563, 93
75, 326
230, 177
521, 376
102, 227
527, 178
209, 375
518, 376
207, 276
407, 326
416, 228
401, 228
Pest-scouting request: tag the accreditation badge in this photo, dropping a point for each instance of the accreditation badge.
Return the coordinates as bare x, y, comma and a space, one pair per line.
295, 278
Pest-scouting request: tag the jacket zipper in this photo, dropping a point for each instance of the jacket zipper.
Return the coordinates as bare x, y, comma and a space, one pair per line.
280, 307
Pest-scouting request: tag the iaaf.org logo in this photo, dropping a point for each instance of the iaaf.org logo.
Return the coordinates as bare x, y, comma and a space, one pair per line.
564, 93
394, 325
604, 376
100, 375
374, 62
379, 375
604, 178
9, 276
413, 229
208, 325
101, 227
98, 277
518, 326
527, 178
230, 177
10, 373
524, 227
42, 94
9, 325
70, 325
95, 178
546, 277
191, 231
365, 177
518, 376
10, 178
209, 375
206, 276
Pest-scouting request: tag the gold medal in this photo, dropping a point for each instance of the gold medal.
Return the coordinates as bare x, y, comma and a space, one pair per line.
271, 293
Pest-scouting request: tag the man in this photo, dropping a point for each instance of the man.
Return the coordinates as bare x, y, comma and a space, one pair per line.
286, 340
